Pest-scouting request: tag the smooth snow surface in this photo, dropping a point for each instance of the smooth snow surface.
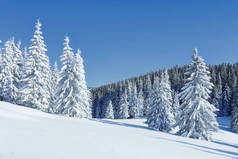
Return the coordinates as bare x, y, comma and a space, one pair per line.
30, 134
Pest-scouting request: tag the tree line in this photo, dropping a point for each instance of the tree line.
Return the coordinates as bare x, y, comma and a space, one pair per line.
137, 90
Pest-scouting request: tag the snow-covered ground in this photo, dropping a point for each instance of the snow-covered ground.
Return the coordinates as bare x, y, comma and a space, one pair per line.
30, 134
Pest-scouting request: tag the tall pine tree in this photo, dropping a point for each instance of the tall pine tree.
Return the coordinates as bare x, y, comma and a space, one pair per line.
72, 93
160, 116
36, 91
197, 117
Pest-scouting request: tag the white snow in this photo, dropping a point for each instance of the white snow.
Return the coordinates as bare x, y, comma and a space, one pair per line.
30, 134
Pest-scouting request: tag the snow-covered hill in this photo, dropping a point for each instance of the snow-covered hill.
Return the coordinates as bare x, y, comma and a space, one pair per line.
30, 134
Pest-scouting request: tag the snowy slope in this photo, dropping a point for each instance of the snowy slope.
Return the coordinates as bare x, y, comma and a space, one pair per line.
30, 134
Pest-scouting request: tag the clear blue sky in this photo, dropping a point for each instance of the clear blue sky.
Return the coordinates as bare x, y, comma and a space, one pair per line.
126, 38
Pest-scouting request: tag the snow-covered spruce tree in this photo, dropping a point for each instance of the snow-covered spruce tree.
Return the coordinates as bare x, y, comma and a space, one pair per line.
140, 102
166, 85
134, 109
54, 82
159, 116
148, 90
226, 101
37, 74
98, 108
84, 95
234, 106
175, 104
234, 113
109, 114
72, 93
18, 69
123, 106
217, 96
1, 72
197, 118
10, 72
7, 77
23, 80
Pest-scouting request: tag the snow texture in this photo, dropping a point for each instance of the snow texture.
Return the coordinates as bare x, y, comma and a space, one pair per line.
31, 134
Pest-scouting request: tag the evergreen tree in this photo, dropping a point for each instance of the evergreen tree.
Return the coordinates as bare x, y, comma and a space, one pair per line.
197, 117
147, 100
226, 101
18, 68
7, 83
134, 110
160, 115
175, 104
72, 92
1, 73
84, 95
12, 63
218, 95
109, 111
36, 92
234, 114
53, 88
98, 109
140, 102
123, 106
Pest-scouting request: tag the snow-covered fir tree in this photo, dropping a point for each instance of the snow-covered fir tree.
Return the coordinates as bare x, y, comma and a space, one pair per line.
7, 87
18, 69
109, 114
11, 67
72, 93
147, 100
234, 113
140, 102
175, 104
197, 118
98, 108
1, 72
36, 93
84, 95
226, 101
160, 116
53, 88
134, 109
123, 106
217, 96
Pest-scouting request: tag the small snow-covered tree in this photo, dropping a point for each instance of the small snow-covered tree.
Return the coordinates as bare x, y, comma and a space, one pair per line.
219, 95
226, 100
36, 93
175, 104
148, 90
1, 72
65, 88
123, 106
72, 93
234, 113
53, 88
12, 64
98, 108
18, 67
134, 109
8, 88
197, 117
160, 115
84, 93
109, 114
140, 102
